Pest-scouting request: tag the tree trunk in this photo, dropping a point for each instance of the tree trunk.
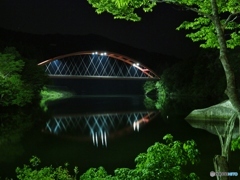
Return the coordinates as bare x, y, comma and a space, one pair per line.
231, 90
221, 162
225, 141
220, 165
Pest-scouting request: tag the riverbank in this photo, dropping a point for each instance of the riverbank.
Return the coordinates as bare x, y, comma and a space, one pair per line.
49, 94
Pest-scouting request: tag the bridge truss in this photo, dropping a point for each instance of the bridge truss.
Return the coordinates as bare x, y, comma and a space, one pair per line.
98, 127
96, 64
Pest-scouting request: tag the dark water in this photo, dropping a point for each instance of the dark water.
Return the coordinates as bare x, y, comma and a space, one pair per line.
109, 131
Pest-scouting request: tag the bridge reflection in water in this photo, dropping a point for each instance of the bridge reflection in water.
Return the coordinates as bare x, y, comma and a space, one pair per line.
98, 127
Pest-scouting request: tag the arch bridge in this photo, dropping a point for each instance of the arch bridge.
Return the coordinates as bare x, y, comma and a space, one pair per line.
88, 64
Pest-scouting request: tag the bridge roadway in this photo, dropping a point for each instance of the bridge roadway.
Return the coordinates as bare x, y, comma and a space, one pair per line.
101, 77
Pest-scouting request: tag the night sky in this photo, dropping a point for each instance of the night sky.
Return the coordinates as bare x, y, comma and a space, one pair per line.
155, 33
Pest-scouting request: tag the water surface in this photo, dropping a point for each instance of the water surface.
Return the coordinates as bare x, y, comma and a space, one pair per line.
108, 131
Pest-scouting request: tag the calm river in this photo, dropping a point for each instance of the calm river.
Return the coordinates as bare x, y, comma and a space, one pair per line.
109, 131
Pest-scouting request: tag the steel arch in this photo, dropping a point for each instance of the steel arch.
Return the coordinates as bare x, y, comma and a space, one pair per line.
145, 70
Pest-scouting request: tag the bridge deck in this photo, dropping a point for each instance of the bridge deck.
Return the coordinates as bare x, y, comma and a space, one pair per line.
101, 77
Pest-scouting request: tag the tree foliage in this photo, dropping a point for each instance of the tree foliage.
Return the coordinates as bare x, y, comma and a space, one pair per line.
149, 86
96, 174
20, 79
11, 63
235, 144
161, 92
161, 161
12, 88
203, 26
30, 172
122, 9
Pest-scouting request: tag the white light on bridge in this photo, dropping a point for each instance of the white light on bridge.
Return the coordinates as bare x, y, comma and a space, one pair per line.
103, 54
136, 64
94, 53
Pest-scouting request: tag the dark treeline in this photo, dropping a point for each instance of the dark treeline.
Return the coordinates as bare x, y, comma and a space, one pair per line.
201, 75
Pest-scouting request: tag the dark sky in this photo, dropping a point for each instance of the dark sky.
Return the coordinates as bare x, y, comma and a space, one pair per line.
156, 32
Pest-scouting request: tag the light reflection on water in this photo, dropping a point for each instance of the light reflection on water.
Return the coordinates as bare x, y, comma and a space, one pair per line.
97, 127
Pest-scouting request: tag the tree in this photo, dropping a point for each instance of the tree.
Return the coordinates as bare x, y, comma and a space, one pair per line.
160, 89
20, 79
29, 172
235, 144
34, 75
161, 161
216, 27
122, 9
13, 91
96, 174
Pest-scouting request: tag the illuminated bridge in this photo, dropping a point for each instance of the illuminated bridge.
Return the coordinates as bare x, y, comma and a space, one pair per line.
97, 127
88, 64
